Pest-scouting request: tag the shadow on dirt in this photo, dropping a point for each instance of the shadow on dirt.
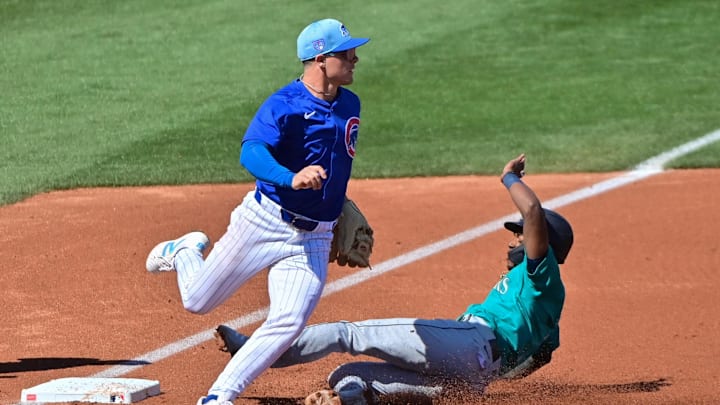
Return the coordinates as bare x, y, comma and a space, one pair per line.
530, 391
277, 401
519, 393
53, 363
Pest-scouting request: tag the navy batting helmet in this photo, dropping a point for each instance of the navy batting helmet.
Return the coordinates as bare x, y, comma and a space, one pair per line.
560, 233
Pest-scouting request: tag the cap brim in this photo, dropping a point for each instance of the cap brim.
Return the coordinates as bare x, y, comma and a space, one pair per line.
352, 43
515, 227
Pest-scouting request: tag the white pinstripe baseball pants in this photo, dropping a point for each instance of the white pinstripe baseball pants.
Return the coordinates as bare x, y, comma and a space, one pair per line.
257, 238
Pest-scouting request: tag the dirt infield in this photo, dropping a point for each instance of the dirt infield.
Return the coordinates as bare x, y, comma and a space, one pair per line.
641, 324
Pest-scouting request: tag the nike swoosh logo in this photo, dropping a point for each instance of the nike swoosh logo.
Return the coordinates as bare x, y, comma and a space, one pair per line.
170, 247
308, 115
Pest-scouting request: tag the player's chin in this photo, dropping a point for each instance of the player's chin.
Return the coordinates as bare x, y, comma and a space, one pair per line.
349, 78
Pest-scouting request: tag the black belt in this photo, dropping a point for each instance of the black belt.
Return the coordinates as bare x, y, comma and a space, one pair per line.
292, 219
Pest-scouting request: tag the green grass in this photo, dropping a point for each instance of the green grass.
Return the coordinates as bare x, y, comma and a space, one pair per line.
160, 92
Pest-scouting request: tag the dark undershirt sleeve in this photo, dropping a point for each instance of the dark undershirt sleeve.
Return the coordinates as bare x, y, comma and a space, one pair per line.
533, 263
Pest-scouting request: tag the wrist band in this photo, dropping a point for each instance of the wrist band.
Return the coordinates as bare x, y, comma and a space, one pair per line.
509, 179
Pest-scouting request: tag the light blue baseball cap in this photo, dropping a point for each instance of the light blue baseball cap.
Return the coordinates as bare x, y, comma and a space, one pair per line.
323, 36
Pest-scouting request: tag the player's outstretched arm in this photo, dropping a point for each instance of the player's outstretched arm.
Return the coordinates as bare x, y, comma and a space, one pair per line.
535, 234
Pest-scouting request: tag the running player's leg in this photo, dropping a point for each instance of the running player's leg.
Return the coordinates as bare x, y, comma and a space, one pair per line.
253, 241
295, 285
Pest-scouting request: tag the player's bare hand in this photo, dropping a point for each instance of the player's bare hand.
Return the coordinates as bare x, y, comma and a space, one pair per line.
309, 177
516, 166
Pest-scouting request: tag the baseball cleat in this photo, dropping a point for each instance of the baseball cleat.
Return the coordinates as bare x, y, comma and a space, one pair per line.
162, 257
229, 340
212, 400
323, 397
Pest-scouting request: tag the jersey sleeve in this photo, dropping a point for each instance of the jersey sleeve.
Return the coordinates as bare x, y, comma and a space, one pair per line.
545, 271
266, 125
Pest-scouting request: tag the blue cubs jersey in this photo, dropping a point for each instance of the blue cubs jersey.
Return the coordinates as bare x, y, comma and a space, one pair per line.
524, 310
304, 130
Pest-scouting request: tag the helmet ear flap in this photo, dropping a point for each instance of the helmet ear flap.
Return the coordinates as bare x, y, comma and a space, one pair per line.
516, 255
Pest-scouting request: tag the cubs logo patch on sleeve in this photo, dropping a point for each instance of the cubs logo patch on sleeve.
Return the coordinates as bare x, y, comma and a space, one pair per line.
351, 133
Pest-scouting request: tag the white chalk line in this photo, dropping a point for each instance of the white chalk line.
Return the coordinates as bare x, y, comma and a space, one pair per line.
642, 171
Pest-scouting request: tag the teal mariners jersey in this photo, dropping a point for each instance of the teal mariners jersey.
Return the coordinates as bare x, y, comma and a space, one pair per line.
524, 310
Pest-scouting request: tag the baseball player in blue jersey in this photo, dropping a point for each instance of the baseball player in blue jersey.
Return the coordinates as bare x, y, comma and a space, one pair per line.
512, 333
300, 147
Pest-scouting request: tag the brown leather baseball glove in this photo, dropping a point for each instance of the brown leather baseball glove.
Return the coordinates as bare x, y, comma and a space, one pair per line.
323, 397
353, 238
